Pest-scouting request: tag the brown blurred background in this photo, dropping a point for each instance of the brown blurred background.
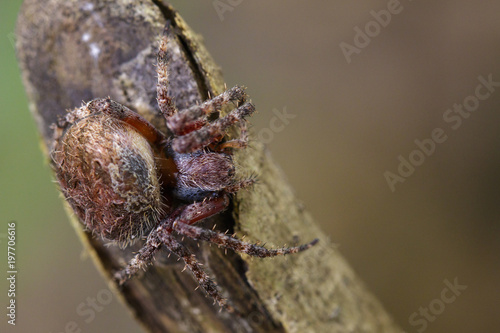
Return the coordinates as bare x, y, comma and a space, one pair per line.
352, 121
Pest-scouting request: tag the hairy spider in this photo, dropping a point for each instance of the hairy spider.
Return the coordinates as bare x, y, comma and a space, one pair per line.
125, 179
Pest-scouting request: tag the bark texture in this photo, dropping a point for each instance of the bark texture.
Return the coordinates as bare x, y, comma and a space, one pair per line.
72, 51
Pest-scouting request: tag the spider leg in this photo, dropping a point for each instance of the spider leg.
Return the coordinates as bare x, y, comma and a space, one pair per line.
235, 244
203, 279
116, 110
146, 253
142, 258
194, 212
198, 211
161, 236
240, 143
165, 103
238, 185
211, 132
195, 117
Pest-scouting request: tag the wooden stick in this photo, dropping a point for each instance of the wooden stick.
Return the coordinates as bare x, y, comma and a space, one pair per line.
72, 51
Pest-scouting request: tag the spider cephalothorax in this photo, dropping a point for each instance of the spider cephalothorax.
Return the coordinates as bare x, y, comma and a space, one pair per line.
125, 179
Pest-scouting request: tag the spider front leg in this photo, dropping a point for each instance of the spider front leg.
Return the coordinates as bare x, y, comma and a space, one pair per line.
165, 102
235, 244
195, 117
184, 226
240, 143
211, 132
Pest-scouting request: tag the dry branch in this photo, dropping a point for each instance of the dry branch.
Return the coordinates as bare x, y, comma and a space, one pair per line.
72, 51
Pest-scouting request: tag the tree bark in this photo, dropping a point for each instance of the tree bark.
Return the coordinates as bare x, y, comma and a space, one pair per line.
72, 51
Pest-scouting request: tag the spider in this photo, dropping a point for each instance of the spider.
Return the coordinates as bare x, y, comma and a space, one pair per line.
126, 180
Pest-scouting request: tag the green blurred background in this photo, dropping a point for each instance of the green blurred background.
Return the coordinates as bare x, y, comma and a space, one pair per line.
352, 122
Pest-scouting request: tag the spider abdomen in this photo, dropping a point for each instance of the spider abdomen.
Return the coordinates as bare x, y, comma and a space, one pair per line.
107, 172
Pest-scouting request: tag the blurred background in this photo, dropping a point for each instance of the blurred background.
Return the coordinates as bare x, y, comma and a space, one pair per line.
359, 103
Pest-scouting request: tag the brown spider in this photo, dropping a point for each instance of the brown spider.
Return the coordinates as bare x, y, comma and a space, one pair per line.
125, 179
